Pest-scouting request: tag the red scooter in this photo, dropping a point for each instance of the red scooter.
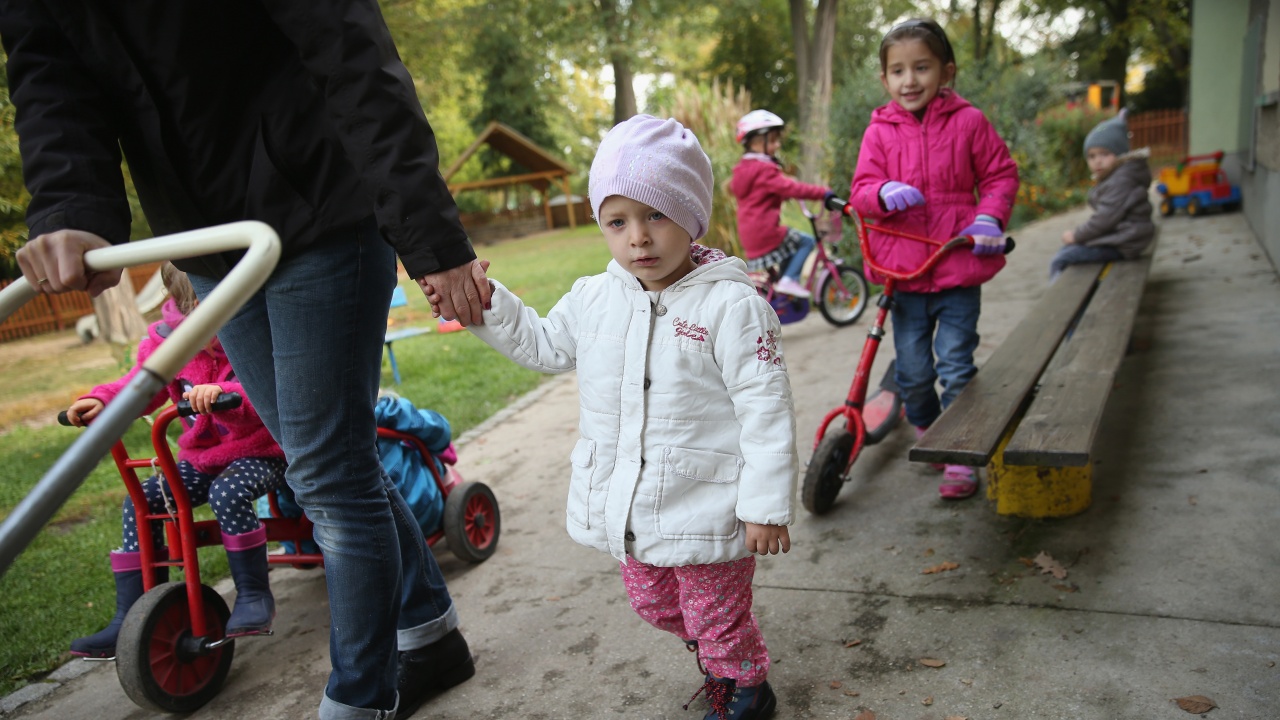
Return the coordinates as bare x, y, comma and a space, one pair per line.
866, 422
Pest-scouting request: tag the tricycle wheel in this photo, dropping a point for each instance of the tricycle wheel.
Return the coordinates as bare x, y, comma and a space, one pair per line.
472, 522
843, 307
160, 664
825, 474
1166, 207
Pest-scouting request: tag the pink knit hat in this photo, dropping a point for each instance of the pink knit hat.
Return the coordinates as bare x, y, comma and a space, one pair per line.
658, 163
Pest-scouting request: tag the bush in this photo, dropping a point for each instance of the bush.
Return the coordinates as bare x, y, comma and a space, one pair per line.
1063, 129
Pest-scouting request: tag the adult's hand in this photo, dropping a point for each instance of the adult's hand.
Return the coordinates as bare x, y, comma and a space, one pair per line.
54, 263
464, 291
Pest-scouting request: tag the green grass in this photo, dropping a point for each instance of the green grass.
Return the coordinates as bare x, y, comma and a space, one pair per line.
61, 587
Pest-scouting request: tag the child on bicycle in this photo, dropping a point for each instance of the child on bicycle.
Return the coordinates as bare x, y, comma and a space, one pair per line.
227, 460
761, 187
686, 465
1120, 227
931, 164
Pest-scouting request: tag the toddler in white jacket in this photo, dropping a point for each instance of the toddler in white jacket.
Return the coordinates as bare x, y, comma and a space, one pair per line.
686, 464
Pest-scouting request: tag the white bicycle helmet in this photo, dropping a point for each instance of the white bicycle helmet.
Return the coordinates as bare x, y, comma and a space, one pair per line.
755, 121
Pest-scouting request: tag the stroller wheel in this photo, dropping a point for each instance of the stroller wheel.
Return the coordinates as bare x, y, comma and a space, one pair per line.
161, 666
825, 475
472, 522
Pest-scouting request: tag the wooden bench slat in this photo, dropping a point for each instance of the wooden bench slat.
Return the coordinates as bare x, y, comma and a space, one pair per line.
969, 431
1062, 420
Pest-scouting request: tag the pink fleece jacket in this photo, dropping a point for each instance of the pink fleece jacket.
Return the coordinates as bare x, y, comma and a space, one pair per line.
760, 187
964, 169
209, 442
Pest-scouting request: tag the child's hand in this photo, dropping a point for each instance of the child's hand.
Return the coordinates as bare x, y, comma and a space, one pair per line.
899, 196
201, 397
768, 539
433, 295
1069, 237
84, 410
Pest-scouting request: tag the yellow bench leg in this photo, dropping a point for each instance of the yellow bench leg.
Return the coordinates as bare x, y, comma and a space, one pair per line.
1037, 492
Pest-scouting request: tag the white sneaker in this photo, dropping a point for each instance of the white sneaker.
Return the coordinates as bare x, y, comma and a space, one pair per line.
790, 287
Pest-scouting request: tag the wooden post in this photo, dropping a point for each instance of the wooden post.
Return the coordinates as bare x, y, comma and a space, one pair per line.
568, 202
1037, 492
546, 207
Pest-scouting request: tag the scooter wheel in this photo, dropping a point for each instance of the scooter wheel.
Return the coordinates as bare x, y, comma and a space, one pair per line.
826, 472
161, 666
472, 522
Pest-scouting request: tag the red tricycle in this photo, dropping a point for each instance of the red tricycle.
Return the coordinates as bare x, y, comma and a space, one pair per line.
171, 654
866, 422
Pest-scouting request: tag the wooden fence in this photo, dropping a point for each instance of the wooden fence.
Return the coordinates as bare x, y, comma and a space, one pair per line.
51, 313
1164, 131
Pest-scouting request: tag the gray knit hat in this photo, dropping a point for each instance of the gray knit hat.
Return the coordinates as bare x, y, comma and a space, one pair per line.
658, 163
1110, 135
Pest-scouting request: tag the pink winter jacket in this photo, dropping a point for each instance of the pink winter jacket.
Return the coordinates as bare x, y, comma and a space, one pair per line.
760, 187
209, 442
964, 169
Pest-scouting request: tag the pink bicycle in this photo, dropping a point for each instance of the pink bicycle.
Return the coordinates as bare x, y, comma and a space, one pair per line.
835, 285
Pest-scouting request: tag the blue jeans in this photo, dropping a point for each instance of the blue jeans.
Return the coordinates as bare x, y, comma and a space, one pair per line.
1080, 255
795, 264
308, 350
954, 315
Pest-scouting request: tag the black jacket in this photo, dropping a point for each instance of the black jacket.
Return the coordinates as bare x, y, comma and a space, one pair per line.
296, 113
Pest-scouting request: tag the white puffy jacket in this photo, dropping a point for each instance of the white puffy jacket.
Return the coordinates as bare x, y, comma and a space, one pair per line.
687, 421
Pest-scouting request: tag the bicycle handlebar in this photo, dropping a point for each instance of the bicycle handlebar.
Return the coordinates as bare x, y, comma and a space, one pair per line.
225, 401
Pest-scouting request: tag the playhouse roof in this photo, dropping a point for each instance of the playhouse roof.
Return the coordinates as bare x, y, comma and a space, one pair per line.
542, 167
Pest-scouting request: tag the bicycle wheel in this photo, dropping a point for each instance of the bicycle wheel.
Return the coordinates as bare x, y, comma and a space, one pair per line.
161, 666
842, 307
825, 475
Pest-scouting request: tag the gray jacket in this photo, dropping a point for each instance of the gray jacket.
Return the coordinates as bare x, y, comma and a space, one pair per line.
1121, 210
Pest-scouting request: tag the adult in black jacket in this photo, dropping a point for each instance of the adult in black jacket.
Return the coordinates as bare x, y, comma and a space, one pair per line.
301, 115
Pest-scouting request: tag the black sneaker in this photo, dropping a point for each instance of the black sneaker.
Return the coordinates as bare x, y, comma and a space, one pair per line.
431, 670
739, 703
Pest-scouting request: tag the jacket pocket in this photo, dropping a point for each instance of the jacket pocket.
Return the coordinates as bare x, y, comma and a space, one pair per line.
583, 459
698, 496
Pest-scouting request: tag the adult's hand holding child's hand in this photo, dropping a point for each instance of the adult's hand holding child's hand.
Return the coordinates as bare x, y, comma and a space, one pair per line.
768, 539
900, 196
463, 292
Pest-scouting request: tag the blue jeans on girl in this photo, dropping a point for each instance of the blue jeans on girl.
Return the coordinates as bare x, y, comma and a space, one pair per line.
954, 315
308, 350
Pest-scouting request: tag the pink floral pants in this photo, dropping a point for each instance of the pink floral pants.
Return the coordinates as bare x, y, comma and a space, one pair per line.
707, 603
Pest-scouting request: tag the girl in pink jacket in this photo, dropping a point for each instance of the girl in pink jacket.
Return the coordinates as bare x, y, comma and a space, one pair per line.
931, 164
228, 460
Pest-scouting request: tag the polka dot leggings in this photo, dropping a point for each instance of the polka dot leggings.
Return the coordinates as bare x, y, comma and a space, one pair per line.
707, 603
230, 493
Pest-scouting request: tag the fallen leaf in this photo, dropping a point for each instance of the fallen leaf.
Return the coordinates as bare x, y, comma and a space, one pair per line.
852, 693
932, 662
928, 552
1049, 566
866, 715
966, 681
1191, 500
853, 643
956, 717
1065, 588
1027, 561
553, 598
1196, 704
941, 567
835, 684
927, 701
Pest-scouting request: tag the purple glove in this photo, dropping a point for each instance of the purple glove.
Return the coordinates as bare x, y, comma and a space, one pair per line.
988, 238
900, 196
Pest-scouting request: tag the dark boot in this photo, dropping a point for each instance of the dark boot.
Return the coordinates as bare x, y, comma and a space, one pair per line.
739, 703
128, 572
255, 606
431, 670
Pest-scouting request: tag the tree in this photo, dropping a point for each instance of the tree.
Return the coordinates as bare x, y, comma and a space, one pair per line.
813, 46
753, 51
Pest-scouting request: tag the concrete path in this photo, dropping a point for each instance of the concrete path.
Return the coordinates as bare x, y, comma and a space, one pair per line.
1171, 586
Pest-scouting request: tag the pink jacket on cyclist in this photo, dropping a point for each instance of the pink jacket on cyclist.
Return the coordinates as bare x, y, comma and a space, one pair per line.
209, 442
963, 168
760, 187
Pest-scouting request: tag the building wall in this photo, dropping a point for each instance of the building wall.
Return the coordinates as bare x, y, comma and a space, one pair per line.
1217, 32
1260, 180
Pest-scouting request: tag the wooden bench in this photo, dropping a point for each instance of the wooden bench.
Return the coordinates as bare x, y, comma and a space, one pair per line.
1032, 411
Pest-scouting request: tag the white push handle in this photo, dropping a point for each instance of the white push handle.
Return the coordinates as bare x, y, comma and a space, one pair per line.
262, 252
